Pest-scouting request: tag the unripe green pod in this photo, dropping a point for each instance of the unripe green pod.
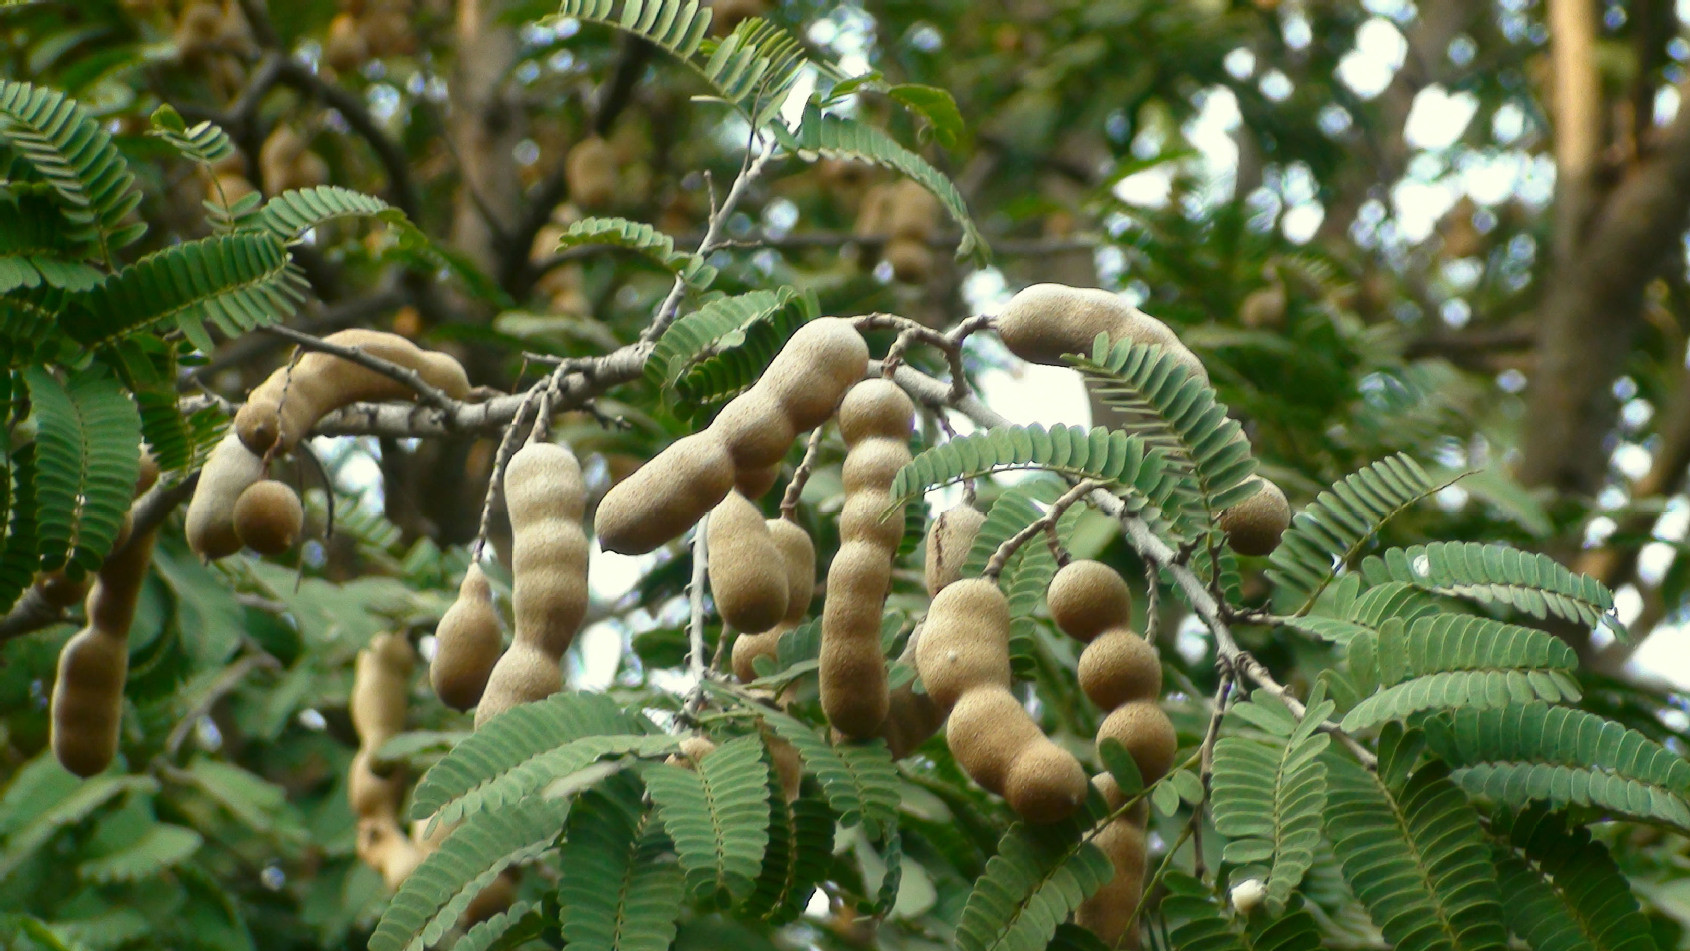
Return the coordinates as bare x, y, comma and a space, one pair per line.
227, 473
949, 540
746, 578
1045, 321
467, 643
666, 496
268, 517
1087, 597
282, 409
1254, 526
1119, 667
964, 642
545, 495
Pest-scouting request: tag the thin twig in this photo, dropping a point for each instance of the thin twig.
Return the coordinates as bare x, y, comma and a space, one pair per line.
801, 476
427, 393
1005, 551
695, 622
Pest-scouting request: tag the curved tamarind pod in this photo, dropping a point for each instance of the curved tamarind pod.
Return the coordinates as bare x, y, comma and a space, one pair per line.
87, 702
282, 409
467, 643
964, 643
746, 579
381, 683
1119, 667
545, 494
949, 540
229, 471
1110, 912
1045, 321
755, 428
590, 173
798, 555
1045, 782
666, 496
985, 730
756, 483
813, 371
911, 717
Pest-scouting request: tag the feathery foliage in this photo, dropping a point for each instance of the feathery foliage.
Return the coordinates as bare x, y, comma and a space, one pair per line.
291, 214
1411, 847
858, 779
1112, 457
616, 889
1173, 411
1527, 752
1497, 574
1331, 530
799, 857
520, 917
88, 438
154, 852
67, 147
203, 142
717, 814
1039, 876
643, 239
38, 247
1269, 792
722, 348
1562, 891
1204, 927
542, 769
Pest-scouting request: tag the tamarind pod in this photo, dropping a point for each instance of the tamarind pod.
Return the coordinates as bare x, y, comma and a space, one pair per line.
545, 495
281, 410
874, 216
986, 730
964, 642
87, 703
746, 578
1110, 912
755, 483
589, 172
852, 670
798, 555
1119, 667
381, 680
950, 537
523, 674
861, 521
1147, 734
693, 749
748, 647
788, 765
467, 643
911, 717
666, 496
755, 429
383, 846
1254, 526
872, 464
812, 372
1088, 597
60, 590
876, 408
1045, 783
914, 211
268, 517
911, 259
228, 471
1045, 321
368, 792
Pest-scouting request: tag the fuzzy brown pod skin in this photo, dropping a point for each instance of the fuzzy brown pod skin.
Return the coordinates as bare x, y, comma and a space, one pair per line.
986, 730
1110, 912
798, 556
788, 765
545, 495
381, 683
756, 483
269, 517
950, 537
693, 750
1146, 733
1088, 597
747, 582
1045, 783
282, 409
1120, 667
1045, 321
87, 703
666, 496
467, 643
1255, 525
384, 846
589, 171
756, 430
964, 642
876, 419
812, 372
227, 473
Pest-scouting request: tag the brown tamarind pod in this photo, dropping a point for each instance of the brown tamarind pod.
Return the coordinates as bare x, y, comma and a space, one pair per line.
1045, 782
747, 582
1045, 321
381, 683
589, 171
812, 372
986, 729
87, 703
1119, 667
282, 409
666, 496
693, 750
964, 642
1147, 734
874, 215
385, 847
755, 483
1088, 597
268, 517
1254, 526
756, 430
949, 539
369, 792
545, 495
1109, 913
797, 556
467, 643
914, 211
228, 471
788, 765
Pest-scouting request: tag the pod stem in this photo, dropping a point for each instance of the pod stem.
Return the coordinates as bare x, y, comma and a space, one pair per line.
695, 623
801, 476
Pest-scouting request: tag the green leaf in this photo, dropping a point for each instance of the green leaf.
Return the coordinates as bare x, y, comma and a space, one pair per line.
157, 850
433, 897
1207, 457
1114, 458
88, 453
18, 557
718, 817
512, 739
203, 142
721, 349
1324, 536
1205, 923
1411, 848
1562, 891
644, 239
799, 857
1529, 752
935, 105
39, 246
1269, 793
617, 889
68, 148
1039, 876
859, 779
560, 762
291, 214
1498, 574
521, 920
838, 137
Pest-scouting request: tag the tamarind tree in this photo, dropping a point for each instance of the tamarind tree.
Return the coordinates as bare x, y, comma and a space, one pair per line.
638, 367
